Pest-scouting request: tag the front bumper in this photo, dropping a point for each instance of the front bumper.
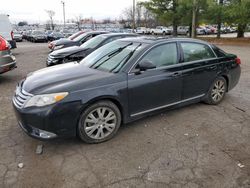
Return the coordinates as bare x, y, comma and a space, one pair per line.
45, 123
53, 61
40, 39
7, 67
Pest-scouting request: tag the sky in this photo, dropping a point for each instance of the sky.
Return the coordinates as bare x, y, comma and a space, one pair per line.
33, 11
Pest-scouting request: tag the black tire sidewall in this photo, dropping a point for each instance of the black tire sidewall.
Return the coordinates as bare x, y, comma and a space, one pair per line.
83, 136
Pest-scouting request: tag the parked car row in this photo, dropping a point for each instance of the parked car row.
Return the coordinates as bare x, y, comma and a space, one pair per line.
41, 36
108, 79
7, 60
184, 30
77, 53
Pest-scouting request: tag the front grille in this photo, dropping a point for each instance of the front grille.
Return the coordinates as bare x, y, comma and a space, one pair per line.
50, 58
21, 96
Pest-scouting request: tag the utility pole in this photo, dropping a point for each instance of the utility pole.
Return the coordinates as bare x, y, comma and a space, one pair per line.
220, 2
63, 3
193, 35
133, 27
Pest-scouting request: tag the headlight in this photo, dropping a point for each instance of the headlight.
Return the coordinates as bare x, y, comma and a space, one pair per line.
58, 47
46, 99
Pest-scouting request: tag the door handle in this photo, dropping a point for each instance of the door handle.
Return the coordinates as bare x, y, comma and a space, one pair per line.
214, 67
175, 74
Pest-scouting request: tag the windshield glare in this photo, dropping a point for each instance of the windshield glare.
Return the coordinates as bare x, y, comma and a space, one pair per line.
71, 37
38, 32
94, 42
112, 57
80, 37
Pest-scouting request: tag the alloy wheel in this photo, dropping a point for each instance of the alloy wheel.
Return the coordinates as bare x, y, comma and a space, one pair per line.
100, 123
218, 90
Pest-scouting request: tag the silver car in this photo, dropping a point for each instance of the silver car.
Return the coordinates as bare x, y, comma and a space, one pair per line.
7, 60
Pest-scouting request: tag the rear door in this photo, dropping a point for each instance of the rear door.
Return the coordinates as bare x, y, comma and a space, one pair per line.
200, 67
156, 88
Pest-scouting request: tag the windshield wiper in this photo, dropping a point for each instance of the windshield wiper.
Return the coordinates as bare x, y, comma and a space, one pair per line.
110, 55
119, 49
126, 58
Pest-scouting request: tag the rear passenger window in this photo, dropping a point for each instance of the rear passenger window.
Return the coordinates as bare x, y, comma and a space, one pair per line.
219, 52
195, 51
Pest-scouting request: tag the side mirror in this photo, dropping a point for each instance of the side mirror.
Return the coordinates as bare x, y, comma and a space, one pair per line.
145, 65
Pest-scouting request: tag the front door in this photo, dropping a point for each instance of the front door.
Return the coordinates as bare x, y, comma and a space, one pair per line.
156, 88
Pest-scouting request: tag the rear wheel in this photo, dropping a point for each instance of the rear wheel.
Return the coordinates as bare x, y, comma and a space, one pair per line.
217, 91
99, 122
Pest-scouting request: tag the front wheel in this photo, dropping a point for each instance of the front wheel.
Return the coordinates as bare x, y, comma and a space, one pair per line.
99, 122
217, 91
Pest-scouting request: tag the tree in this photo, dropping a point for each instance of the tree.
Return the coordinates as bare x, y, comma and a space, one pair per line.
23, 23
165, 11
216, 13
176, 12
78, 21
51, 14
239, 12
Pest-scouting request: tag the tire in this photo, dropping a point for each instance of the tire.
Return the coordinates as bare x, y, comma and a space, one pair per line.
95, 116
216, 92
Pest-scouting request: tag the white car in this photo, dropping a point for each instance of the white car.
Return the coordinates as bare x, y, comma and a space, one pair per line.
6, 30
183, 30
141, 30
161, 30
200, 31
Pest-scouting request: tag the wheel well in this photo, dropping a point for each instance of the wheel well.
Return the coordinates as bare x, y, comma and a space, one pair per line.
116, 102
227, 80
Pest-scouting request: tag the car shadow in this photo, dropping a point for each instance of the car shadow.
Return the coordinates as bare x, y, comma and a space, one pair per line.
69, 142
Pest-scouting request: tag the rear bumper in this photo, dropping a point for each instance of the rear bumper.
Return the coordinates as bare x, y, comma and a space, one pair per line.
234, 76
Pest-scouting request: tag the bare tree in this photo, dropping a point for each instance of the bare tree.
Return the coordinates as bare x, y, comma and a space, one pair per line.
78, 21
51, 14
143, 16
106, 21
128, 14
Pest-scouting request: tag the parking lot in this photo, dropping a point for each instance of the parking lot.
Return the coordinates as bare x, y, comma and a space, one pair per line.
195, 146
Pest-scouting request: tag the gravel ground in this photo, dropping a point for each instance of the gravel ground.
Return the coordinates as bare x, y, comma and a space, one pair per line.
195, 146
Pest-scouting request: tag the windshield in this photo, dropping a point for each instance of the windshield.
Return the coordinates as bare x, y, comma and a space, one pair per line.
80, 37
38, 32
112, 57
94, 42
58, 34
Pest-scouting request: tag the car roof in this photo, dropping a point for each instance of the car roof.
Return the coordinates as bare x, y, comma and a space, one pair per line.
155, 40
93, 32
119, 34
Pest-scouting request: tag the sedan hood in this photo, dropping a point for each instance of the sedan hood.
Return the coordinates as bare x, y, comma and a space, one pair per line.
66, 51
62, 41
62, 78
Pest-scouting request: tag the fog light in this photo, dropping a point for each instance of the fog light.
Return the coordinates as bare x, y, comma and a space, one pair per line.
44, 134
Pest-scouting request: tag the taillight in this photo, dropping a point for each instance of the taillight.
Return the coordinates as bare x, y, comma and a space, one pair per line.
12, 35
3, 44
238, 61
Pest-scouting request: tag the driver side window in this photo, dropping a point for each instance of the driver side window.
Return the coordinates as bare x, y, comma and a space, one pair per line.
86, 39
162, 55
